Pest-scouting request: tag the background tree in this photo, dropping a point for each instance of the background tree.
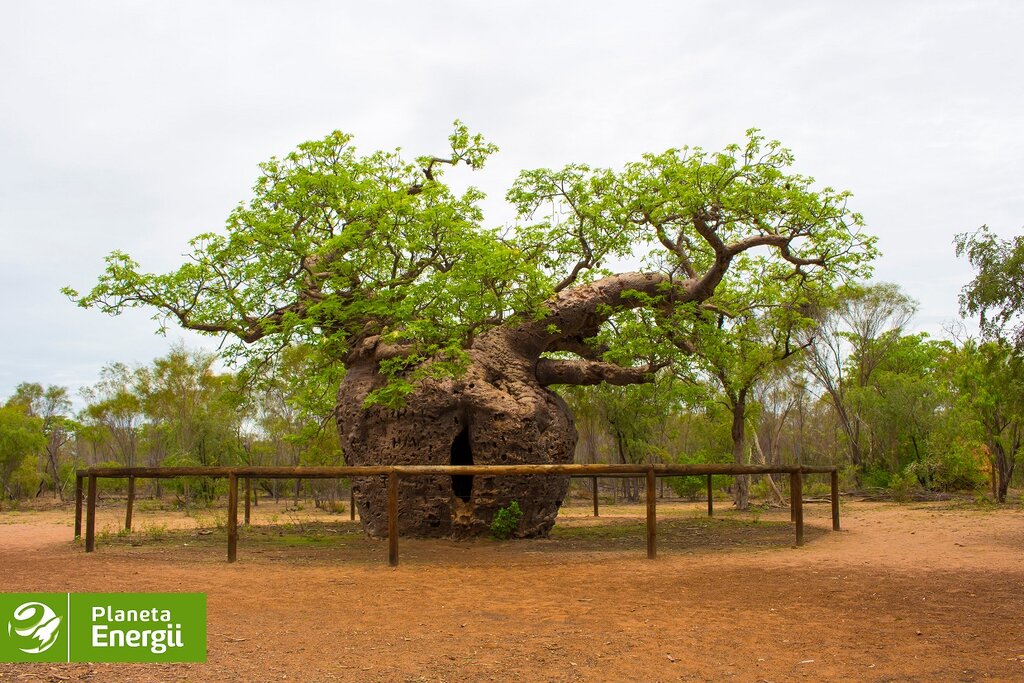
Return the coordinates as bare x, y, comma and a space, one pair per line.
114, 411
850, 342
996, 294
989, 374
634, 417
21, 436
196, 412
294, 416
742, 340
53, 406
902, 402
990, 380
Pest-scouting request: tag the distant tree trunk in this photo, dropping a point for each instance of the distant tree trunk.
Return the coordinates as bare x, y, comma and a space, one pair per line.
1004, 466
1004, 442
739, 411
52, 452
852, 431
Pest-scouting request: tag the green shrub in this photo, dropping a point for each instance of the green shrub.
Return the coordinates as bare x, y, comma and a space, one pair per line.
816, 488
686, 487
876, 478
202, 491
506, 521
956, 467
901, 485
24, 481
694, 486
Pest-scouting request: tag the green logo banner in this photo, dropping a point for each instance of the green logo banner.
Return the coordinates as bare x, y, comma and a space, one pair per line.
102, 627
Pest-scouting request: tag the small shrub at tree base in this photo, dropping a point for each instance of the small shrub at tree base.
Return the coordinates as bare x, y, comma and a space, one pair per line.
506, 521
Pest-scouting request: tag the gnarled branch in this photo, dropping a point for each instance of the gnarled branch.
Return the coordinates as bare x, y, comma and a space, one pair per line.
587, 372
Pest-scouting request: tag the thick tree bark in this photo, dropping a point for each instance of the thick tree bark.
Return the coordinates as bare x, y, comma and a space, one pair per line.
496, 413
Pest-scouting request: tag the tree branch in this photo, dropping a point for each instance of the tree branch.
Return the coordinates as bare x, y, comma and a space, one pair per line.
586, 372
780, 241
578, 312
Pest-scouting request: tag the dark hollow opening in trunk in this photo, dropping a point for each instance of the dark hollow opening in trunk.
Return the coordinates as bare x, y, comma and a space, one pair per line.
462, 454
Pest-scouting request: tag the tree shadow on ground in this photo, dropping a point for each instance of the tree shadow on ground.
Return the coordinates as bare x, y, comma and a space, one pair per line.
318, 542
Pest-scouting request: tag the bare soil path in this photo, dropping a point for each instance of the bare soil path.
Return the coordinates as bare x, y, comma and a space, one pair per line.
917, 592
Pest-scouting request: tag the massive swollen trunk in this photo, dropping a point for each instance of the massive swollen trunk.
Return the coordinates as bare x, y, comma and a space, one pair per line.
495, 414
499, 412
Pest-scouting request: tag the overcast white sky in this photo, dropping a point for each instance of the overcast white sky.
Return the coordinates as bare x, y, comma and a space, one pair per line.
136, 125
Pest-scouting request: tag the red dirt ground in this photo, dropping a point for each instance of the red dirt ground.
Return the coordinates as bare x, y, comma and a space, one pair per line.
917, 592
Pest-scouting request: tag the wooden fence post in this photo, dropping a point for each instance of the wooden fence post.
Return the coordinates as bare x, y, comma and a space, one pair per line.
834, 476
78, 505
797, 484
593, 483
652, 521
393, 519
90, 516
131, 504
232, 517
711, 499
351, 502
248, 497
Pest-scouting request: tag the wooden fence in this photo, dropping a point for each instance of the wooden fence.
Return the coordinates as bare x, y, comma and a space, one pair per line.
395, 472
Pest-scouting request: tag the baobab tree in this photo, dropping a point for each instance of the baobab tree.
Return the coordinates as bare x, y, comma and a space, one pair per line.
452, 333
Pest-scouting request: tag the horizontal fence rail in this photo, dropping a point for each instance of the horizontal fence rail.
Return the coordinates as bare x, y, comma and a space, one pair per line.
395, 472
414, 470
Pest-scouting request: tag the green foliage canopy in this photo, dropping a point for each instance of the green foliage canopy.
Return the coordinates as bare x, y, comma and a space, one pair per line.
21, 435
996, 294
336, 248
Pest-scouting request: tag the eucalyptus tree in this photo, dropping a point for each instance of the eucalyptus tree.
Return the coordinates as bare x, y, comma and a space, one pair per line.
996, 294
989, 378
21, 435
53, 406
113, 415
904, 402
451, 332
195, 412
293, 402
851, 340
